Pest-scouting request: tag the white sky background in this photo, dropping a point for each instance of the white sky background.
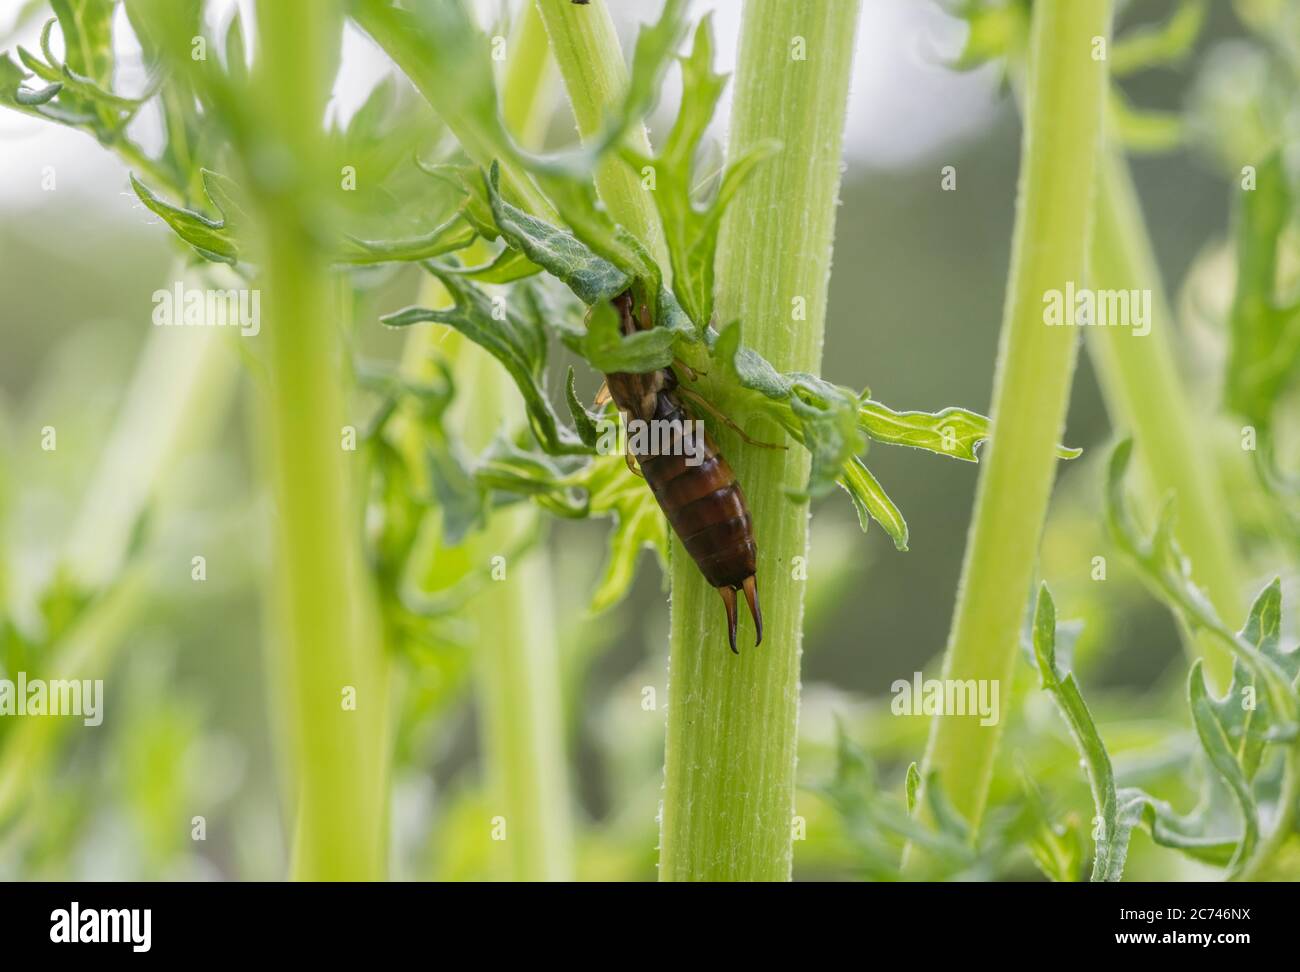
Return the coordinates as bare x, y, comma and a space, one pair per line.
904, 105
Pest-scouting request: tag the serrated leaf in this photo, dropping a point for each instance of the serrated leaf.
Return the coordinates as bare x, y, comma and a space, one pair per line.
515, 339
691, 229
1115, 818
1213, 734
594, 279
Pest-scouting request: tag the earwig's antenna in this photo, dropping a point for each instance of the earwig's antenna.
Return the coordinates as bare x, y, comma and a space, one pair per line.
751, 595
729, 599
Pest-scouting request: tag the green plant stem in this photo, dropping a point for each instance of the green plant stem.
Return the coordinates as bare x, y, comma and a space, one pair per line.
1031, 386
1143, 392
325, 643
733, 722
591, 62
529, 82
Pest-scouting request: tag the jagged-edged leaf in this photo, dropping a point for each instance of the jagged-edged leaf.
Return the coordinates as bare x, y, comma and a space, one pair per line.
512, 336
955, 432
1219, 748
1162, 565
560, 253
819, 415
1116, 816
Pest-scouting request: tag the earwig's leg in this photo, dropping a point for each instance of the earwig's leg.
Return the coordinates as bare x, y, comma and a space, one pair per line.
751, 595
631, 464
690, 373
602, 396
709, 407
729, 599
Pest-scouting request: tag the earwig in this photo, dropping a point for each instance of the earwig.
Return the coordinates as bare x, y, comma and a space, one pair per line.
703, 502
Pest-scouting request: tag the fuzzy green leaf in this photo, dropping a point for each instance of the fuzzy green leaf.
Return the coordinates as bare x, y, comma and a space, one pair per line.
591, 277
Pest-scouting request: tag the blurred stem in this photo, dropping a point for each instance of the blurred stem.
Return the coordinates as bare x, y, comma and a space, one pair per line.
732, 722
326, 644
84, 652
1144, 394
516, 650
529, 82
591, 62
1031, 386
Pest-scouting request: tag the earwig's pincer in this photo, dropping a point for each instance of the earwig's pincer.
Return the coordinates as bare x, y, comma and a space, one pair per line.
728, 593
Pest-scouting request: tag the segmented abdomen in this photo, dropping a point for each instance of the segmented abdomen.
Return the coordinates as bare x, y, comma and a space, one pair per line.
703, 503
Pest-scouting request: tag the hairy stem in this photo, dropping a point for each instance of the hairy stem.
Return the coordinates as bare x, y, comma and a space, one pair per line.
1031, 386
733, 722
595, 75
325, 649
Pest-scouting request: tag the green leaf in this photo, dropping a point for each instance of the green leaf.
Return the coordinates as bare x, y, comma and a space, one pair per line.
583, 420
955, 432
87, 27
1164, 567
592, 278
212, 238
691, 230
514, 338
1213, 734
454, 234
608, 349
872, 503
913, 784
1115, 817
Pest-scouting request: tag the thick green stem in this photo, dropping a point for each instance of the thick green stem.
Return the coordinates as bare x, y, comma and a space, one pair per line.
1032, 383
733, 722
325, 648
1144, 393
591, 62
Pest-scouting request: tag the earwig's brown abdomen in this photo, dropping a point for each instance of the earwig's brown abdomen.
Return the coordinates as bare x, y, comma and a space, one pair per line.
703, 502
